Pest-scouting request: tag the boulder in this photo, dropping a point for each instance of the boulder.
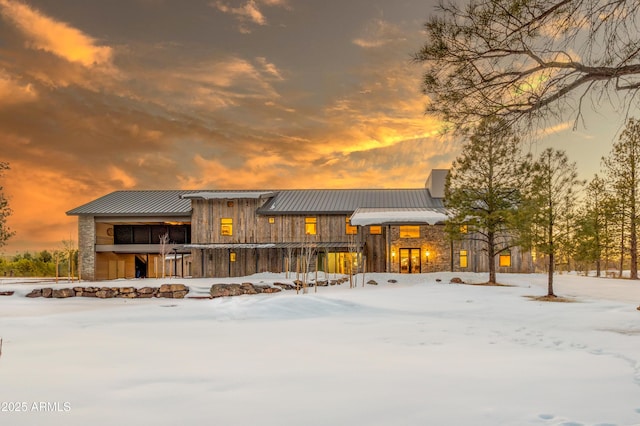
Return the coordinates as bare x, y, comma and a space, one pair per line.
47, 292
284, 286
105, 293
36, 292
372, 282
87, 293
392, 281
438, 280
456, 280
6, 293
63, 293
272, 290
165, 294
224, 290
146, 290
127, 295
179, 294
322, 283
248, 288
166, 288
127, 290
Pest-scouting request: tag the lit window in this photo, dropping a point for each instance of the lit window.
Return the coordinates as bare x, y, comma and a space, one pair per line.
232, 257
272, 220
463, 229
310, 225
375, 230
350, 230
226, 226
463, 259
505, 260
409, 231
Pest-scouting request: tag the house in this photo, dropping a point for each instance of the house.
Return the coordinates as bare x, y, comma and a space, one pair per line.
227, 233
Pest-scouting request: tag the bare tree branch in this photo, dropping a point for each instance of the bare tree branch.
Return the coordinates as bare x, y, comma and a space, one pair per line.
523, 60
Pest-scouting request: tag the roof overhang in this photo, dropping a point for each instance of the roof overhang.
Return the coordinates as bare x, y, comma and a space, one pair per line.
226, 195
292, 245
383, 216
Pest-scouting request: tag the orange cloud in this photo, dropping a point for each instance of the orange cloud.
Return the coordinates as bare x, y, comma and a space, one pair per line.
12, 92
248, 13
58, 38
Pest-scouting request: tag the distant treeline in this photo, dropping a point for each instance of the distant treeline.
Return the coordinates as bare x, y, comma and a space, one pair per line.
40, 264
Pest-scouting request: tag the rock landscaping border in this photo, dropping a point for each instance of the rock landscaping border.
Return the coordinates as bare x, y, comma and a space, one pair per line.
169, 291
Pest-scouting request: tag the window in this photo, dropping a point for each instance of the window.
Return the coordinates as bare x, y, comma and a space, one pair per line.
409, 231
463, 259
272, 220
310, 225
232, 257
226, 226
505, 260
375, 230
464, 229
350, 230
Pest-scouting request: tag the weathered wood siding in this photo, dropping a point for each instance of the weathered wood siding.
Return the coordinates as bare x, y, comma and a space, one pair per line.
249, 227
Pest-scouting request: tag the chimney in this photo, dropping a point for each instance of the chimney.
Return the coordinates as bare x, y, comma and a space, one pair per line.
435, 182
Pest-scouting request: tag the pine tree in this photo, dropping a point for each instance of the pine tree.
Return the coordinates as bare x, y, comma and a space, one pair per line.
623, 170
483, 190
553, 187
593, 237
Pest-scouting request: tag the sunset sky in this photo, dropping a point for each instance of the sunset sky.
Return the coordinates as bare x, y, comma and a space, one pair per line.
97, 96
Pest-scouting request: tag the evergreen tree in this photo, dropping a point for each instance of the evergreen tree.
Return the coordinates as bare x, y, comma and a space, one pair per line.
553, 187
5, 211
623, 169
483, 190
593, 236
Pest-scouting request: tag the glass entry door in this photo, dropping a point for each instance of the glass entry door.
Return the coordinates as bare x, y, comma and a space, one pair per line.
410, 260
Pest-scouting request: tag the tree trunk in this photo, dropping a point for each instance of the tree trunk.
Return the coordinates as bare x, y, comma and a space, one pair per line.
552, 259
550, 277
621, 249
633, 242
492, 257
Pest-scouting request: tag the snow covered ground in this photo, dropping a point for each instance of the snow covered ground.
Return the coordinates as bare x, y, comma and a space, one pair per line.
418, 352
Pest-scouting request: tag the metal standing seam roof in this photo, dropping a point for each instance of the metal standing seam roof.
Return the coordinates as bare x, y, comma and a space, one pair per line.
312, 201
343, 201
160, 202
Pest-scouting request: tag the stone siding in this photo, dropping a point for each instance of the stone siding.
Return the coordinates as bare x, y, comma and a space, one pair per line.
86, 247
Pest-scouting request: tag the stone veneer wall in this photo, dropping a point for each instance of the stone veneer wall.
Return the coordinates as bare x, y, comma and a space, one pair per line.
86, 247
432, 238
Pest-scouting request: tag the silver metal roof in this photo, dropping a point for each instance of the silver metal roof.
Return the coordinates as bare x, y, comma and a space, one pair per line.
303, 201
141, 203
346, 201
